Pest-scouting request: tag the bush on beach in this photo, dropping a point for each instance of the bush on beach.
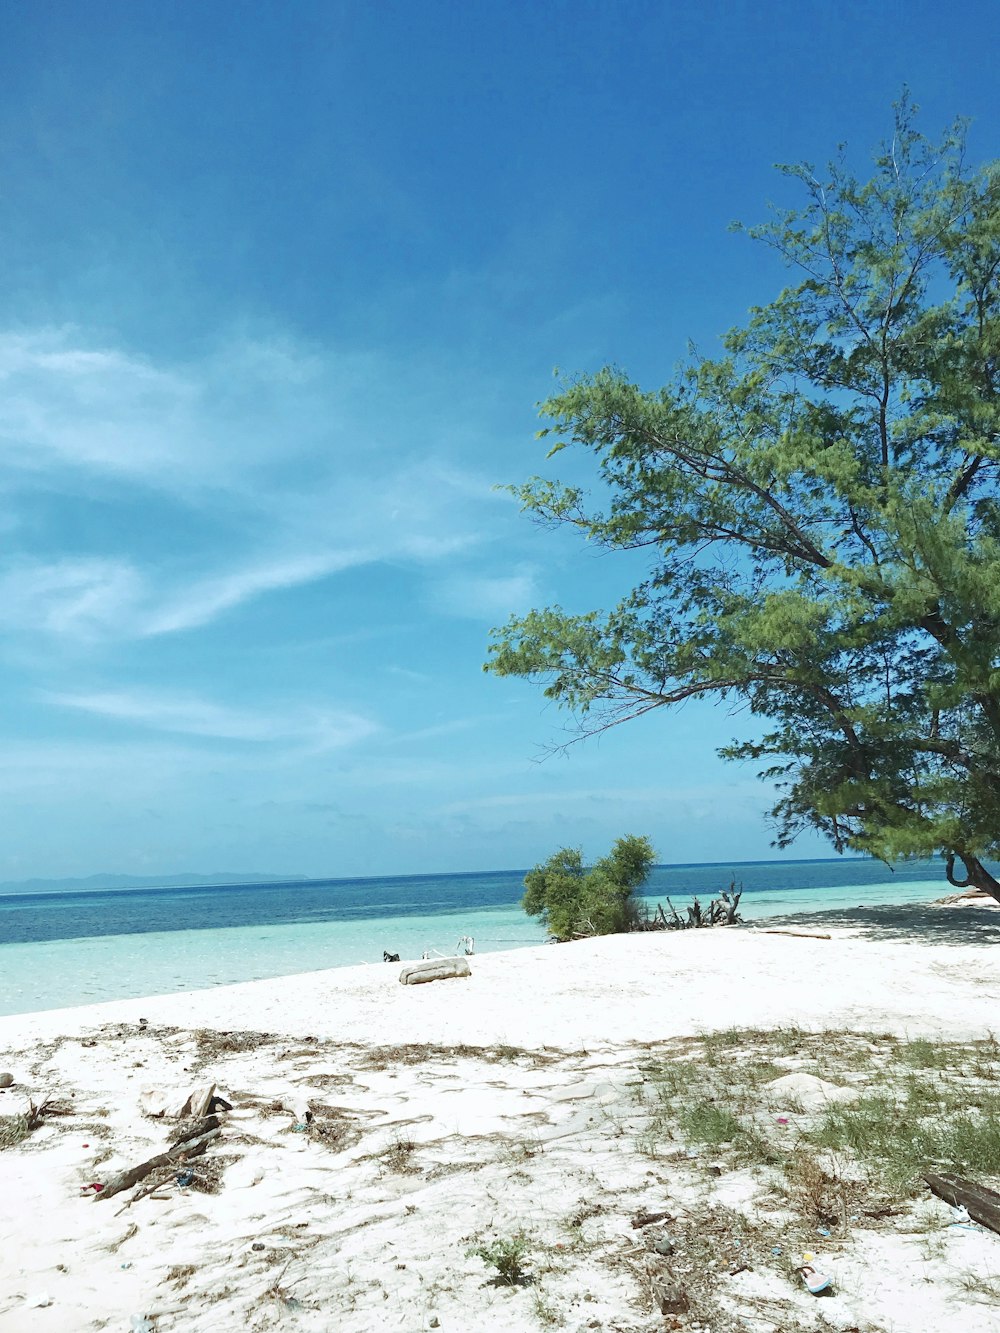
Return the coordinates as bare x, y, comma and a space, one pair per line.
574, 902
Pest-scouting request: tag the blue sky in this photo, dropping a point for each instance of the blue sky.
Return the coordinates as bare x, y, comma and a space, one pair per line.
282, 284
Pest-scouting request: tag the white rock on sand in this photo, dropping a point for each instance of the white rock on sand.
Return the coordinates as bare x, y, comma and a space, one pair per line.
363, 1219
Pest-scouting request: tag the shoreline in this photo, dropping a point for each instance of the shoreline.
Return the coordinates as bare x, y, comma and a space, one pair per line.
42, 975
628, 971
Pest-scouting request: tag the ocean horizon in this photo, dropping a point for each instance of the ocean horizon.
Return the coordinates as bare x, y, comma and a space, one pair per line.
66, 947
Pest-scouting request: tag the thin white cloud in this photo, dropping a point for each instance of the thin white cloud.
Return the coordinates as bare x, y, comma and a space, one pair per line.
488, 597
63, 403
74, 598
90, 599
205, 600
660, 798
280, 466
253, 409
319, 729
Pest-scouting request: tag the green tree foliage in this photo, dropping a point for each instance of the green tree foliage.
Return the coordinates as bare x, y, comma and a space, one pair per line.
573, 901
819, 508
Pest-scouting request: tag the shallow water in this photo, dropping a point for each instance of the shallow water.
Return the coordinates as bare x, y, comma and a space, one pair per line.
75, 948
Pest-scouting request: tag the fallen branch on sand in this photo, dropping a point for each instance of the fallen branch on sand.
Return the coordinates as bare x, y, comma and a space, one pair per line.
799, 934
180, 1152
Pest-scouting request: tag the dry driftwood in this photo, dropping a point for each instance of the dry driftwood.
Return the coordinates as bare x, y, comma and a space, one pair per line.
194, 1131
799, 934
721, 911
982, 1204
180, 1152
435, 969
647, 1219
197, 1103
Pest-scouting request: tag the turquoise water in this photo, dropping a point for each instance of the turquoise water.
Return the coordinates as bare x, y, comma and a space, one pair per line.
64, 949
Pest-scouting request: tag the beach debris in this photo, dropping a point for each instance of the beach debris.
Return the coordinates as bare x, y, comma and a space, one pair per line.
389, 957
141, 1323
193, 1129
40, 1300
644, 1219
668, 1296
967, 896
180, 1152
434, 969
6, 1080
153, 1102
258, 1245
981, 1204
816, 1282
721, 911
15, 1128
664, 1245
184, 1178
299, 1108
197, 1102
799, 934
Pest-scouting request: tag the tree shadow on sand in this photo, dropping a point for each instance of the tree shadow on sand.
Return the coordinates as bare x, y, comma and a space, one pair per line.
905, 921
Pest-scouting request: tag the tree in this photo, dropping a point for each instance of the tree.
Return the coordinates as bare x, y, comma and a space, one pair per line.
819, 507
573, 902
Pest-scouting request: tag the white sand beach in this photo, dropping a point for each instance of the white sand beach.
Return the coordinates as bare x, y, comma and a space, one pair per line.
445, 1116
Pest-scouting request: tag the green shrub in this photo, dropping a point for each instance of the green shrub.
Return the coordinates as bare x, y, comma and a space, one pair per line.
573, 902
505, 1255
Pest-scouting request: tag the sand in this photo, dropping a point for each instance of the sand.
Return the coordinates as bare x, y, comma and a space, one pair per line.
421, 1149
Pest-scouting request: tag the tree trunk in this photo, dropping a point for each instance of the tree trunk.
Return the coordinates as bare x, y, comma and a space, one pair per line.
976, 875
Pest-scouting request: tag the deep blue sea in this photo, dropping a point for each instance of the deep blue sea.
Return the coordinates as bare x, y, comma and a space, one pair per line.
61, 948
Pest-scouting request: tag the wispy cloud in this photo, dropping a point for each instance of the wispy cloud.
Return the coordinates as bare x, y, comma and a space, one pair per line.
202, 601
77, 598
279, 466
190, 715
660, 798
485, 596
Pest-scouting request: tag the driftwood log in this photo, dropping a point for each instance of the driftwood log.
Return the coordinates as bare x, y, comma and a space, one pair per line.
434, 969
186, 1133
982, 1204
799, 934
180, 1152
